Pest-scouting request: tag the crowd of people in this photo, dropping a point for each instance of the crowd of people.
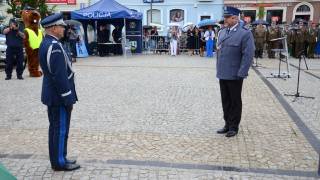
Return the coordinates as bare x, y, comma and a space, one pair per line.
302, 38
105, 45
194, 40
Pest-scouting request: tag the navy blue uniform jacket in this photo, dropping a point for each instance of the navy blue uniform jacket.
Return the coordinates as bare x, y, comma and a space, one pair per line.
58, 88
235, 52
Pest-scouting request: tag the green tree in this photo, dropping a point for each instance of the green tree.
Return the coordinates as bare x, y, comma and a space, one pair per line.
15, 7
261, 12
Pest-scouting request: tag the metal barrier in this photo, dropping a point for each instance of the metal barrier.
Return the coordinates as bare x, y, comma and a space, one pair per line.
159, 44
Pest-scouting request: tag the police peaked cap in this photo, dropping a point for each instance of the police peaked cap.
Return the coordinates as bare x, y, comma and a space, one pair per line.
231, 11
53, 20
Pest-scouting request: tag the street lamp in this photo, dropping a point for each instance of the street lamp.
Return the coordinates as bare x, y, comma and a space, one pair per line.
151, 1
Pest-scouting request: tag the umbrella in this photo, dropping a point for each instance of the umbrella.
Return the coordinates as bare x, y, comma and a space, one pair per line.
147, 27
72, 22
207, 22
187, 26
260, 21
5, 174
174, 24
156, 25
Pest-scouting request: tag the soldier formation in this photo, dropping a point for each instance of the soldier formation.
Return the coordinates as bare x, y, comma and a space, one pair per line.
302, 38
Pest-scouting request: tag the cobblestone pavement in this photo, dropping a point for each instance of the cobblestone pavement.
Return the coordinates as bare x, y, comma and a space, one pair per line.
155, 117
307, 109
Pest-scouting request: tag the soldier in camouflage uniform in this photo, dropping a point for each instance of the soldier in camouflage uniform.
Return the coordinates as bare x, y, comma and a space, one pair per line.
300, 40
273, 33
259, 35
291, 41
312, 39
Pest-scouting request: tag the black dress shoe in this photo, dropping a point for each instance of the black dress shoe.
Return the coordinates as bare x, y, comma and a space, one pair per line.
20, 77
71, 161
67, 167
7, 78
231, 133
222, 131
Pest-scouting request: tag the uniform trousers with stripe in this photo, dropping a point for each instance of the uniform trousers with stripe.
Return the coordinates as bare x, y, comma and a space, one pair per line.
59, 123
231, 102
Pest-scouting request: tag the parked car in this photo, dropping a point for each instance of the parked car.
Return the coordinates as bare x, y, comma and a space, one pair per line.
3, 47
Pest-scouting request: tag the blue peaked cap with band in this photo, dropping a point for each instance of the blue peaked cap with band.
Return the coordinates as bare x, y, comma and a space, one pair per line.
230, 11
53, 20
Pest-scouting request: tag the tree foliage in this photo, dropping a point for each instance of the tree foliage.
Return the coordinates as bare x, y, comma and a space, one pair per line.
15, 7
261, 12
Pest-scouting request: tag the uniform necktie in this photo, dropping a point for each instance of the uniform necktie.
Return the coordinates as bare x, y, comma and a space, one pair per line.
228, 30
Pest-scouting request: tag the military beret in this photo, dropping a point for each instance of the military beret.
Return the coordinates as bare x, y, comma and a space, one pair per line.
53, 20
231, 11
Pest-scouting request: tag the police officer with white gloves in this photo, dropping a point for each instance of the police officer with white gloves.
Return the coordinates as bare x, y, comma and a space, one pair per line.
58, 91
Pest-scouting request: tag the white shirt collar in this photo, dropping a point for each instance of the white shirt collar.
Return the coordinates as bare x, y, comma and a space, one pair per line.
233, 27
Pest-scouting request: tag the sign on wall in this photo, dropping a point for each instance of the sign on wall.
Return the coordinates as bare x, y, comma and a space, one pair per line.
153, 1
70, 2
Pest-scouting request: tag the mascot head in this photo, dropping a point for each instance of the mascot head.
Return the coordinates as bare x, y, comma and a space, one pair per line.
30, 17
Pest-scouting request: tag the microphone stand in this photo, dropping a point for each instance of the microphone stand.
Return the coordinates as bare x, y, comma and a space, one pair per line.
297, 94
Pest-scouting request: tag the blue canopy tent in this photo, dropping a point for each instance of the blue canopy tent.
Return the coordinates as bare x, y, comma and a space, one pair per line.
114, 13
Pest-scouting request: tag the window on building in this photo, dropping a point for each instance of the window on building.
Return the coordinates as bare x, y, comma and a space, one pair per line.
303, 8
249, 15
176, 15
156, 16
274, 16
204, 17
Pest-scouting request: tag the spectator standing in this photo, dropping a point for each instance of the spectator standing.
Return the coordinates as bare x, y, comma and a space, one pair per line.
14, 51
73, 39
190, 41
173, 35
103, 37
313, 33
117, 37
209, 37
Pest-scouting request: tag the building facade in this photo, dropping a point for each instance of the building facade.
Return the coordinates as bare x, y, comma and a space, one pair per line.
281, 11
163, 11
179, 11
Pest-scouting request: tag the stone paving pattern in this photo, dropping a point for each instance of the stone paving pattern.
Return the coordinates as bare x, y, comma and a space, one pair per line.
308, 109
156, 109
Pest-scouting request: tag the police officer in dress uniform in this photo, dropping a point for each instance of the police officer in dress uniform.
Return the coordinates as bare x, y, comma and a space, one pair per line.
58, 91
14, 51
235, 51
